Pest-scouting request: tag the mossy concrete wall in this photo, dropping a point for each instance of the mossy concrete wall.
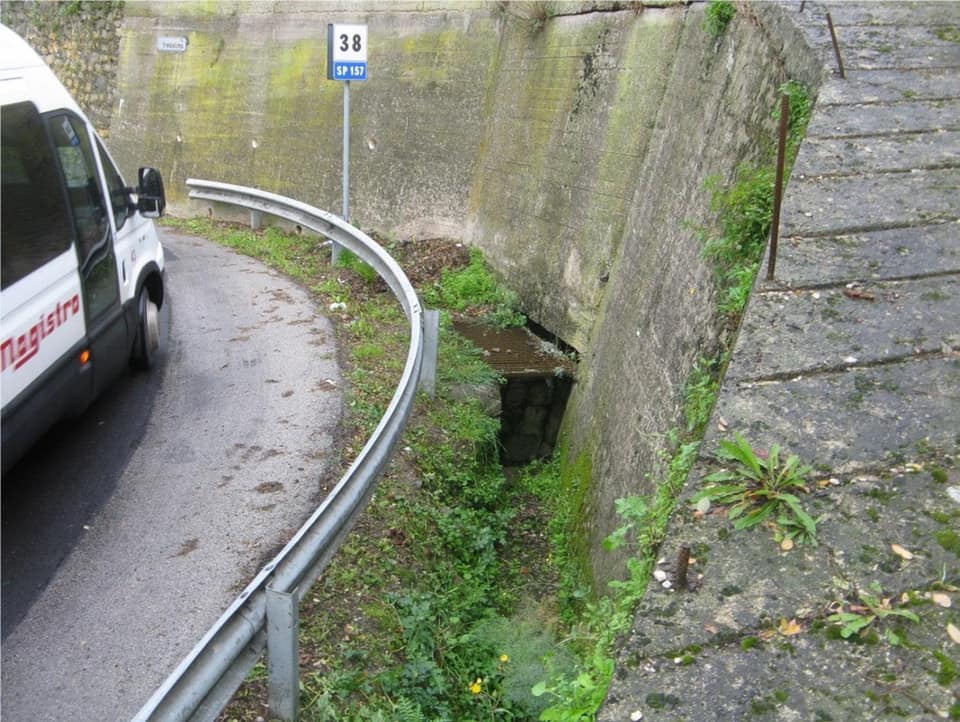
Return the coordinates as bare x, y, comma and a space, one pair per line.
571, 141
656, 315
249, 102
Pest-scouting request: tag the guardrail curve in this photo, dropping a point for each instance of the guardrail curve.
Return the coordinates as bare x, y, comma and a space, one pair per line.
203, 683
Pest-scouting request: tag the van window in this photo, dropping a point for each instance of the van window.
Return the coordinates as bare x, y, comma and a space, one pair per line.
119, 196
83, 189
33, 210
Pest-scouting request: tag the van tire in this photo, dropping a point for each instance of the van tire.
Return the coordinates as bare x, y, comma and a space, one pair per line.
148, 332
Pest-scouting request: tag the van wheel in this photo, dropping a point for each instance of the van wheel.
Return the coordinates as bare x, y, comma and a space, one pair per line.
148, 332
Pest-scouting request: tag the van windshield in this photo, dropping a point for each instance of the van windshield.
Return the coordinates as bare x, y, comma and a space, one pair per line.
34, 223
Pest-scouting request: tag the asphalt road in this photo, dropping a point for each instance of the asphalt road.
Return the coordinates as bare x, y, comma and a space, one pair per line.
127, 532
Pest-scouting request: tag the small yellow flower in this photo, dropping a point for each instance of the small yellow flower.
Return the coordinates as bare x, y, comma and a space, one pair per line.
504, 658
477, 687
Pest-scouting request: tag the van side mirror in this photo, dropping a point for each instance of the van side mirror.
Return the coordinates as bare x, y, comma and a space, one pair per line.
151, 199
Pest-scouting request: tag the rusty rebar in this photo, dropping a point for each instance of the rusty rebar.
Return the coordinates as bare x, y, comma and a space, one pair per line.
836, 45
683, 562
778, 185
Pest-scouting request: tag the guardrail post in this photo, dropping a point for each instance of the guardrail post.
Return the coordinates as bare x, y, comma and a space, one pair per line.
256, 220
283, 654
431, 344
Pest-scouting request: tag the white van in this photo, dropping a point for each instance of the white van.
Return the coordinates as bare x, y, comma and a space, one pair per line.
82, 266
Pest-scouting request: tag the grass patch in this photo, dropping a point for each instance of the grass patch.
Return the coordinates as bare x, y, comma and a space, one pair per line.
717, 17
475, 291
744, 211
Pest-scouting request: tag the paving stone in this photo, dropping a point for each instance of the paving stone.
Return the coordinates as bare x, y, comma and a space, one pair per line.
827, 328
909, 116
862, 86
852, 419
873, 256
880, 154
838, 205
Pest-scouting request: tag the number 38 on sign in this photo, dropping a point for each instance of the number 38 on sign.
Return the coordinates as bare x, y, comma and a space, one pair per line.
346, 52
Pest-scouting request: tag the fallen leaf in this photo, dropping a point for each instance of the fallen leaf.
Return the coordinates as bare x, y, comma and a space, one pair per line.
722, 424
786, 544
941, 599
856, 293
901, 552
767, 634
712, 628
788, 629
954, 633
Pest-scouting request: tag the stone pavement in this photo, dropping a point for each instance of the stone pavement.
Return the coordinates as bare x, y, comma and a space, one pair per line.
851, 360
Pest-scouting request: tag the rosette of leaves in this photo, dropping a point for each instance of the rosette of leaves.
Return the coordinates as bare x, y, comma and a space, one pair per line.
758, 488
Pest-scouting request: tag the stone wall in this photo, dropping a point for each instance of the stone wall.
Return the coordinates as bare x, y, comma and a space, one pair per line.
80, 41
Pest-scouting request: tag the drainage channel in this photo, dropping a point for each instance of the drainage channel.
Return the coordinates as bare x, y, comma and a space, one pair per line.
539, 377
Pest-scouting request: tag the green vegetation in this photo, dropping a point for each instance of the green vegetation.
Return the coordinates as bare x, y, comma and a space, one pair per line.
350, 260
948, 33
717, 17
872, 607
744, 211
449, 577
758, 489
474, 289
457, 596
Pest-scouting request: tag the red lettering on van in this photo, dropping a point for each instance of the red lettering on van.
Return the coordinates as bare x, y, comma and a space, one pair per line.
17, 350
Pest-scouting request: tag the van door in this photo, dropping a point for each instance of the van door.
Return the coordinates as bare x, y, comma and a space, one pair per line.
106, 327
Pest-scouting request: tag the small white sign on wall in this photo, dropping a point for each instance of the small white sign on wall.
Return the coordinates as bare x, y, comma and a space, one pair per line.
172, 45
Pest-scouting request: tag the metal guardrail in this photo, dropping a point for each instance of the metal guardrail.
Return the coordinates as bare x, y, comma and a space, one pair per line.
206, 679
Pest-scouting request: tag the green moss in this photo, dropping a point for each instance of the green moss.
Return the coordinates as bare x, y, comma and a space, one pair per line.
424, 56
662, 700
576, 483
948, 673
948, 33
949, 540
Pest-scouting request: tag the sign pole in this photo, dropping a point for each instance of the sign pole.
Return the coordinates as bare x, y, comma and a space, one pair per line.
346, 61
346, 164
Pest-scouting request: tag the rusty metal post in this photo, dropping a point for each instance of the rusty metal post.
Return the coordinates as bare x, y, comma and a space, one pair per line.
683, 563
836, 45
778, 186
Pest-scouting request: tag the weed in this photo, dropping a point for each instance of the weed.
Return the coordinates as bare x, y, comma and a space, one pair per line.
948, 33
348, 259
700, 392
473, 288
758, 489
717, 17
873, 607
577, 696
744, 211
